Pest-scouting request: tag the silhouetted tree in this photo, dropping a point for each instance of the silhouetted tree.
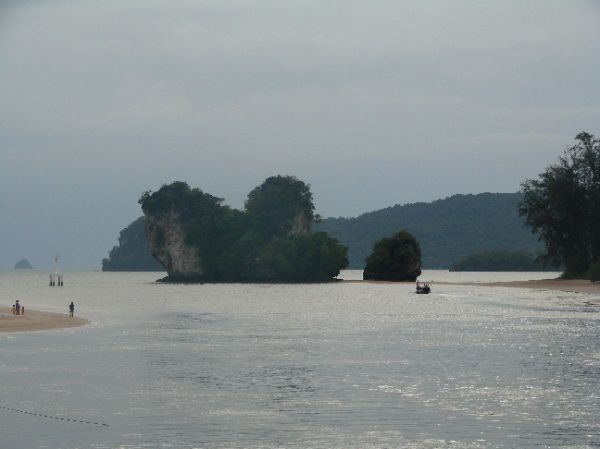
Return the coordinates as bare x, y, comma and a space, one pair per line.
396, 258
563, 207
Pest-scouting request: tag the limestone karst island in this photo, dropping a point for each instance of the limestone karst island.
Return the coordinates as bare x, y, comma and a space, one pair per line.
23, 264
198, 239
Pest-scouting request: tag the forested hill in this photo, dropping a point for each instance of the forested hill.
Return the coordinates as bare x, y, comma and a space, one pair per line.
133, 252
447, 229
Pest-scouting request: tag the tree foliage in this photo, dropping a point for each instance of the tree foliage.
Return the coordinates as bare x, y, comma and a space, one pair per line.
302, 258
593, 272
563, 206
274, 207
396, 258
269, 241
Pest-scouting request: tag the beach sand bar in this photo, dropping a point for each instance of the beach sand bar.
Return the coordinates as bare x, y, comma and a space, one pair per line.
34, 320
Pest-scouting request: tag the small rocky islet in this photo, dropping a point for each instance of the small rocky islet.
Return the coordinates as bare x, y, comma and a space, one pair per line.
23, 264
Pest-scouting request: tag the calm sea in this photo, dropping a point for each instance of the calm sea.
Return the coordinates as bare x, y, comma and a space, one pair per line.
340, 365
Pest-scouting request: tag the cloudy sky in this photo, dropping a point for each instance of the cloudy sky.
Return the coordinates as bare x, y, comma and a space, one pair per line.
373, 103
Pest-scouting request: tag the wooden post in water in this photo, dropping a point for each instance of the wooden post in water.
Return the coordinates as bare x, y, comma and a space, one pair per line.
56, 278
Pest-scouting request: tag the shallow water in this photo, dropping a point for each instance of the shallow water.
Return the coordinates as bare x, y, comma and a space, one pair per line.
301, 366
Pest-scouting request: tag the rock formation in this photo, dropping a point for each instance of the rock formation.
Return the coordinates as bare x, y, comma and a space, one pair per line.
133, 252
23, 264
167, 239
198, 239
301, 224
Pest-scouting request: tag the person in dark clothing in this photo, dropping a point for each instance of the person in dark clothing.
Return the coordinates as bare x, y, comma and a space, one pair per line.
71, 308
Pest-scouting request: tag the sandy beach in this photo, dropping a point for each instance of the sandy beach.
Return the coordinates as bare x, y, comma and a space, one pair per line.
571, 285
36, 321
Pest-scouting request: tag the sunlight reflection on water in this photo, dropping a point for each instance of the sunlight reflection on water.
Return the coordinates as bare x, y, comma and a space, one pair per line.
344, 365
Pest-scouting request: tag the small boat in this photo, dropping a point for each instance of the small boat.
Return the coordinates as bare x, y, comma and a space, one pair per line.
423, 288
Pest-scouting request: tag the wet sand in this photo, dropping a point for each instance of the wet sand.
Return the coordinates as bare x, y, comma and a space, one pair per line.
571, 285
34, 320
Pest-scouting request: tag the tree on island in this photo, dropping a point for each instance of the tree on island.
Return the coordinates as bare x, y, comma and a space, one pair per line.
197, 238
396, 258
563, 207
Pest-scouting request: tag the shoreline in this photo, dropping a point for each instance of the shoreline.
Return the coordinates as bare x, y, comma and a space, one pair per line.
564, 285
35, 320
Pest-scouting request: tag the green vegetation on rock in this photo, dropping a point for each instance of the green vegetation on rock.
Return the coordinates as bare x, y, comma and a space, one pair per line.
563, 207
133, 252
396, 258
500, 261
198, 238
280, 205
447, 229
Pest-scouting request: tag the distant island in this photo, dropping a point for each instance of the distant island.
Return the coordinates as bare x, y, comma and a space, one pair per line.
198, 239
23, 264
133, 252
447, 230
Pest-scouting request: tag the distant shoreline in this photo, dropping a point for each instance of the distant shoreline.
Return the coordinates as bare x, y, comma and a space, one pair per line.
565, 285
34, 320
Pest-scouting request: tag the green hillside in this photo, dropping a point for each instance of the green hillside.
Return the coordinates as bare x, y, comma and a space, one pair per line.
133, 252
499, 260
446, 229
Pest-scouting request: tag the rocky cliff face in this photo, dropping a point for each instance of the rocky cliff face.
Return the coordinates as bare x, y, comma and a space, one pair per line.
166, 237
300, 225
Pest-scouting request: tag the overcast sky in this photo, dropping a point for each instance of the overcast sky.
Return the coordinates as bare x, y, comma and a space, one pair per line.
373, 103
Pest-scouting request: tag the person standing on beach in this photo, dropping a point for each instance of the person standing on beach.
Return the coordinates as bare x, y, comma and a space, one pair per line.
71, 308
18, 307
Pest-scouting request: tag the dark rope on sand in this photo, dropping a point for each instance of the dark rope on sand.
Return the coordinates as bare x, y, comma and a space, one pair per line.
58, 418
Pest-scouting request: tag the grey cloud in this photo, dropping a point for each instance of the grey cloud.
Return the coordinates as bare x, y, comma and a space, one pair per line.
372, 103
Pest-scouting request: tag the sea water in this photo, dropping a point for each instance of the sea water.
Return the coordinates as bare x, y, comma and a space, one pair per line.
337, 365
